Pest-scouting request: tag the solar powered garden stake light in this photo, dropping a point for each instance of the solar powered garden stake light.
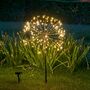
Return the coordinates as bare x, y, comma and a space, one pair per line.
18, 75
43, 33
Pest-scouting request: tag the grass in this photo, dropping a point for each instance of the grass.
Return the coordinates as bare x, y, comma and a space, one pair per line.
34, 80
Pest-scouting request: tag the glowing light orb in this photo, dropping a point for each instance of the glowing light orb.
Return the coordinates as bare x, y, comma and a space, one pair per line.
44, 31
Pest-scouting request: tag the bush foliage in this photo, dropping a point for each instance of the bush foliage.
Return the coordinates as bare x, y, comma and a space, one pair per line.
13, 52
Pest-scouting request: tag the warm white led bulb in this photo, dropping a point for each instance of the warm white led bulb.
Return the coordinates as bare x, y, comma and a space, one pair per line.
45, 32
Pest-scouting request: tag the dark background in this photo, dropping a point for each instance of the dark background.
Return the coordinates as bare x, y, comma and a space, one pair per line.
71, 12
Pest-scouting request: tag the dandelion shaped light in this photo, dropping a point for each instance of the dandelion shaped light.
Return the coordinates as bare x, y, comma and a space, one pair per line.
44, 31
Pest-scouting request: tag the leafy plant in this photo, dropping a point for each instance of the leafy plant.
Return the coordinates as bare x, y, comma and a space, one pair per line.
15, 52
75, 52
12, 55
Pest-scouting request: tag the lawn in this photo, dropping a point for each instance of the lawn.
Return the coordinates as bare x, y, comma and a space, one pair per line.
34, 80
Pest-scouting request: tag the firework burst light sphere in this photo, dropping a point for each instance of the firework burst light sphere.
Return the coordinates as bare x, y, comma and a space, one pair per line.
44, 31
